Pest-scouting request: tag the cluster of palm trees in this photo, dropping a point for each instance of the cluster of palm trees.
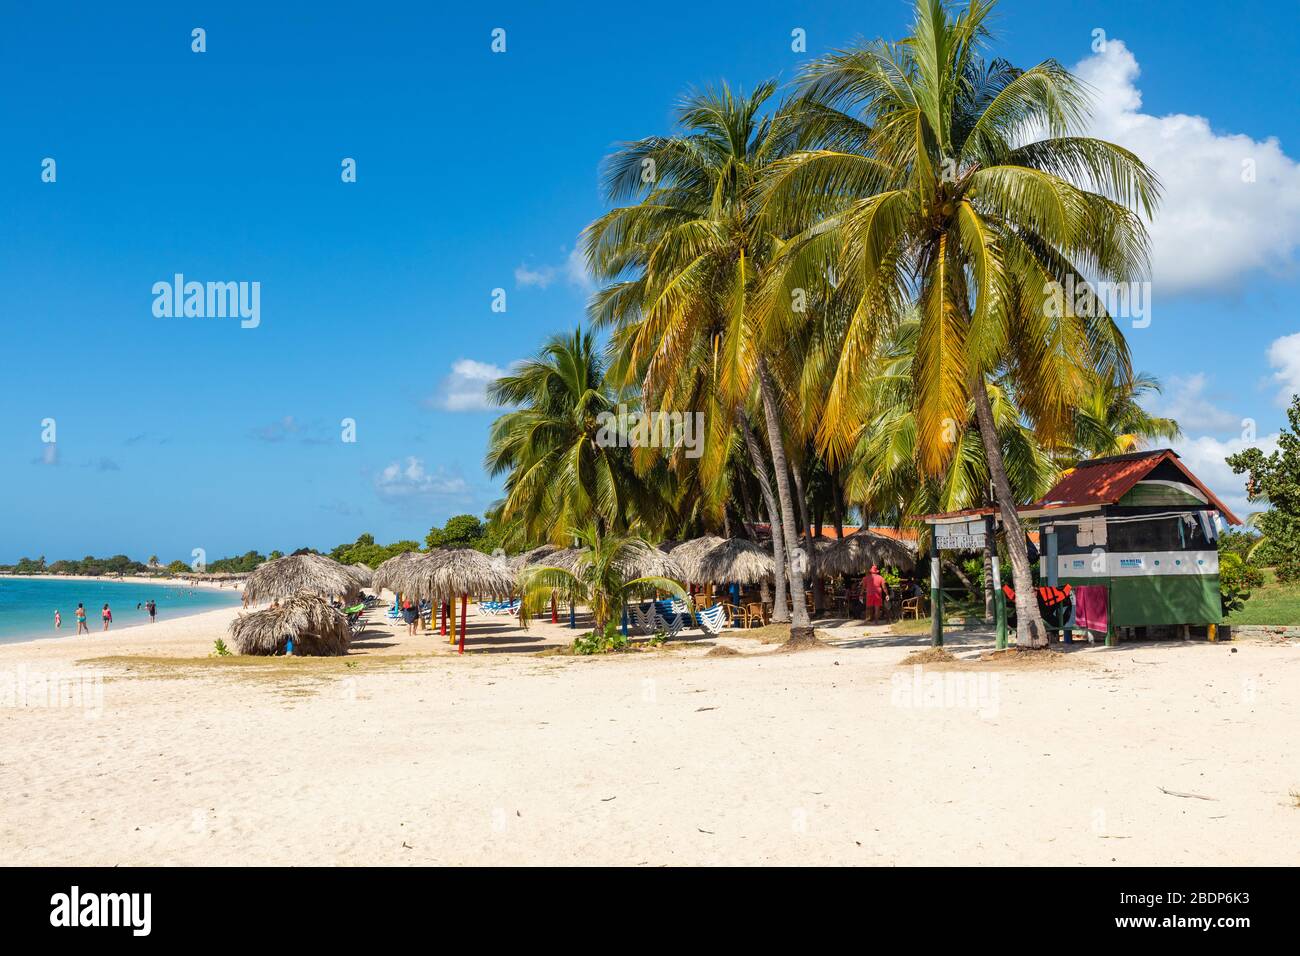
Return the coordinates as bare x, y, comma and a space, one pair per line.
850, 280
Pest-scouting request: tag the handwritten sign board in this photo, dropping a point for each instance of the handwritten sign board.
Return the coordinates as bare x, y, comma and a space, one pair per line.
960, 536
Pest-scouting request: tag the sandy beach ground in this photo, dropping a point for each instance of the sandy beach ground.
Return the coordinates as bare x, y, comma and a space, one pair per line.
403, 753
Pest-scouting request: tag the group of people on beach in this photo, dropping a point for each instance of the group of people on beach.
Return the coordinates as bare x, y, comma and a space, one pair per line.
105, 615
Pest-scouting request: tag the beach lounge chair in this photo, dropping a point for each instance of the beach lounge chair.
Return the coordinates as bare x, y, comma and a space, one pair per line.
356, 620
642, 618
671, 627
713, 619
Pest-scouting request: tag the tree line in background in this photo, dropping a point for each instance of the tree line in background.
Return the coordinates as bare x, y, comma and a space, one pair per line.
459, 531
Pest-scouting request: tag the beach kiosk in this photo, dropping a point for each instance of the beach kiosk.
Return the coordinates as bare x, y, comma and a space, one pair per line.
1132, 540
1137, 539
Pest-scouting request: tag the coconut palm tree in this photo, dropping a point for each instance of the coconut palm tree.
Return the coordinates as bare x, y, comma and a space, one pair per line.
962, 184
563, 471
1110, 419
681, 263
884, 472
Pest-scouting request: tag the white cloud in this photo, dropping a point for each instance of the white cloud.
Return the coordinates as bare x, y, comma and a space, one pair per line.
1212, 229
573, 271
1184, 400
465, 389
409, 478
1205, 456
542, 278
1284, 355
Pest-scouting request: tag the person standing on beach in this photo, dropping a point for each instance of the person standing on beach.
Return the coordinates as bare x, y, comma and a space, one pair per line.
58, 621
81, 618
107, 615
873, 593
410, 614
153, 610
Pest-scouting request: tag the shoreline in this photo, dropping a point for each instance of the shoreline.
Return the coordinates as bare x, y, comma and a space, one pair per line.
118, 624
169, 581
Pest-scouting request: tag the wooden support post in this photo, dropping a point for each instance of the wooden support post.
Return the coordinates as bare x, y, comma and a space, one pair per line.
464, 610
1212, 632
999, 606
936, 603
555, 618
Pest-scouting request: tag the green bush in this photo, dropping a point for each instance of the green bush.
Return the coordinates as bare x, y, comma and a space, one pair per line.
600, 643
1237, 578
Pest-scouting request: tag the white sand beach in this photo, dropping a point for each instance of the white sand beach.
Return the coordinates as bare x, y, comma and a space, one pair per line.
404, 753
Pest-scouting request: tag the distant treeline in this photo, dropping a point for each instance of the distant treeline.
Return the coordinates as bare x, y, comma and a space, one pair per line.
459, 531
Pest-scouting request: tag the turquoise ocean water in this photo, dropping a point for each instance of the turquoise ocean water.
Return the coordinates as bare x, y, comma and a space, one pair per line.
27, 606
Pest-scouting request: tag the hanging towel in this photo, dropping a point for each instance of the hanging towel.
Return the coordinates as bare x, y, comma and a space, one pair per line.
1091, 607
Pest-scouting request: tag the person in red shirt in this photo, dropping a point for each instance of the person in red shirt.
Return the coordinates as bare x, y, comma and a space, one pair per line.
873, 593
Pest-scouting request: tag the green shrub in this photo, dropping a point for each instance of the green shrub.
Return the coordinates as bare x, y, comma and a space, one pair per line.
1237, 578
600, 643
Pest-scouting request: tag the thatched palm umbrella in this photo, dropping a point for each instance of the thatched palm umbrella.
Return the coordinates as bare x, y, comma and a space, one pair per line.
382, 576
646, 562
316, 628
444, 574
288, 576
540, 555
566, 558
687, 554
535, 556
857, 552
735, 561
362, 573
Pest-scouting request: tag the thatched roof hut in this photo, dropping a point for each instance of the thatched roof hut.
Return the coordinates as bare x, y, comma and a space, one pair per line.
288, 576
857, 552
383, 576
444, 574
317, 629
734, 561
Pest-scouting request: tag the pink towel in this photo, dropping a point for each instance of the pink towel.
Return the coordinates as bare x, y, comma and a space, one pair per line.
1090, 606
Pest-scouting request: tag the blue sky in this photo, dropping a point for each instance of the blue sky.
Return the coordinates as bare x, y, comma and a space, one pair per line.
476, 171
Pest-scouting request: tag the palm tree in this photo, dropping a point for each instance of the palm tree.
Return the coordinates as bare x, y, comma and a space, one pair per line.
600, 578
1110, 419
961, 184
563, 472
682, 263
884, 471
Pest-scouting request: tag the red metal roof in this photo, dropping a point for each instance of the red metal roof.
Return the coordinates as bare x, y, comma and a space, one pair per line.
1103, 481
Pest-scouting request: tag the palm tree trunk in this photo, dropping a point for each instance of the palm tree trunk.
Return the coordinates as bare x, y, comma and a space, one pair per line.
808, 538
800, 628
1030, 631
780, 608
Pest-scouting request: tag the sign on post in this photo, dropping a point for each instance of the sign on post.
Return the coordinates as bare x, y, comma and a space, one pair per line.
960, 536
